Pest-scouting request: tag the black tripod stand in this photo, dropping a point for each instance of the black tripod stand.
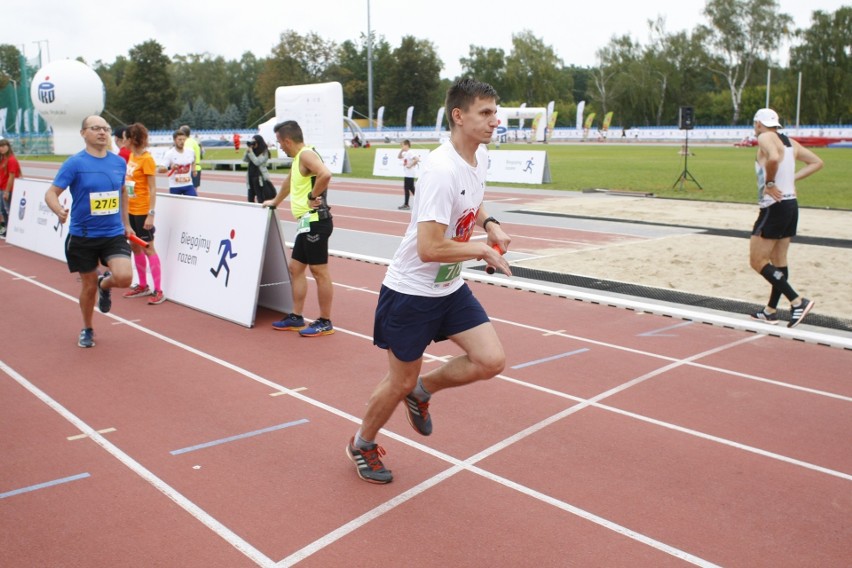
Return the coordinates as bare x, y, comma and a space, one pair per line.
684, 175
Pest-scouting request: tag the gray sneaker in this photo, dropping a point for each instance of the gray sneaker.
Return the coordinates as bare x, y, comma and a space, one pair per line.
368, 463
765, 317
418, 414
798, 313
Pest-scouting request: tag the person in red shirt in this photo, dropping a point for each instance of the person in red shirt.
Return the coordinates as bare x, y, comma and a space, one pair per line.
236, 142
119, 135
10, 169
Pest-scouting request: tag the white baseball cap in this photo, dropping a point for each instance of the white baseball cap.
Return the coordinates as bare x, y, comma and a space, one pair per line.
767, 117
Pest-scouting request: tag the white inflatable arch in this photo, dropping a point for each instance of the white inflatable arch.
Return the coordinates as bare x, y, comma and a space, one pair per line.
505, 114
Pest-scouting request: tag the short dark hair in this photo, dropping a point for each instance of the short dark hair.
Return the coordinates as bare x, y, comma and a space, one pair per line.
290, 129
462, 94
119, 131
177, 133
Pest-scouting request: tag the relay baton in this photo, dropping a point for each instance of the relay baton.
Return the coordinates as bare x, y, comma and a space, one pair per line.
491, 269
137, 241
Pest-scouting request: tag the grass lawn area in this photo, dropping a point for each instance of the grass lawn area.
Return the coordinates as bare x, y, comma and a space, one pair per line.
725, 173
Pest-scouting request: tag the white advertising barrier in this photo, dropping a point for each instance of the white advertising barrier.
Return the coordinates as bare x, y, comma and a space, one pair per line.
387, 164
32, 225
316, 108
518, 166
222, 257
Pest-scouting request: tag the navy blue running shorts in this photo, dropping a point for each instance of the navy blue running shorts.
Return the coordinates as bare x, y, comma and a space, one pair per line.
84, 253
407, 324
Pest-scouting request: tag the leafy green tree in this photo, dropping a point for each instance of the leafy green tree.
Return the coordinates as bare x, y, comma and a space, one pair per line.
486, 64
740, 33
533, 72
146, 93
10, 64
350, 70
825, 60
296, 60
413, 79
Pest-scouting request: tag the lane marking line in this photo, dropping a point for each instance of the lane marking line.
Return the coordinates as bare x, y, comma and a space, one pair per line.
238, 437
551, 358
82, 436
44, 485
282, 393
658, 332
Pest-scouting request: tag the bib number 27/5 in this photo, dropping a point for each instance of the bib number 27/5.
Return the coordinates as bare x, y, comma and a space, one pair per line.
104, 202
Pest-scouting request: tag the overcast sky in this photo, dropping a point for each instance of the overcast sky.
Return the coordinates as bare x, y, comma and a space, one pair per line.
98, 30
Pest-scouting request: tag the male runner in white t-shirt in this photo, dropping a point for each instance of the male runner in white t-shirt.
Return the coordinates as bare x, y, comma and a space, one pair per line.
423, 297
179, 161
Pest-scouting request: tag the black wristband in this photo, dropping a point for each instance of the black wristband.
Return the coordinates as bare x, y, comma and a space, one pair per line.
489, 220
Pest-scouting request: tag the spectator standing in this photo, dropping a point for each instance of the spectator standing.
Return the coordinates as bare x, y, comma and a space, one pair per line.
409, 162
179, 162
95, 177
258, 184
195, 146
142, 192
10, 170
306, 185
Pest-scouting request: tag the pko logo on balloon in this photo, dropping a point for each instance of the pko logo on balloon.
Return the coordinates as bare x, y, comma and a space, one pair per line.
47, 92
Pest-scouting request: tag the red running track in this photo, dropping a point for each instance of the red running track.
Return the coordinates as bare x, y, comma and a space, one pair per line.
613, 438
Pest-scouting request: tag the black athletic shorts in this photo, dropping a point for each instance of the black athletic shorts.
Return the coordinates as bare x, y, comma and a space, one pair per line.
778, 221
312, 247
137, 223
408, 184
84, 253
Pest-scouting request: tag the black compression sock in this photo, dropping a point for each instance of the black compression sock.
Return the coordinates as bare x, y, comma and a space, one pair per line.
778, 280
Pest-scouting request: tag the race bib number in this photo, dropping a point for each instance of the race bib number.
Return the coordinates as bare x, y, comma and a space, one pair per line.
104, 202
446, 274
304, 224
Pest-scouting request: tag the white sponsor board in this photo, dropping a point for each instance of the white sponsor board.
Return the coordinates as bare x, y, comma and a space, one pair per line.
221, 257
387, 164
32, 225
513, 166
518, 166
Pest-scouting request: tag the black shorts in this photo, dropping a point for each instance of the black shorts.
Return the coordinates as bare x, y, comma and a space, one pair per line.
407, 324
137, 223
778, 221
84, 253
408, 185
312, 247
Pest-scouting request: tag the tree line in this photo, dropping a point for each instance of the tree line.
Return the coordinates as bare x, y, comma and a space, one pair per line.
719, 68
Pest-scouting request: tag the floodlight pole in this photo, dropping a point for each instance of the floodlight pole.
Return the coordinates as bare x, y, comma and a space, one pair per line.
369, 68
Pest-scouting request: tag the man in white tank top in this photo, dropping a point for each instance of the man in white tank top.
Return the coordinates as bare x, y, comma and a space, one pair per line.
776, 223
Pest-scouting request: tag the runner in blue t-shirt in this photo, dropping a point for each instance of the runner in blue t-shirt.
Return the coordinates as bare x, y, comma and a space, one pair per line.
99, 221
